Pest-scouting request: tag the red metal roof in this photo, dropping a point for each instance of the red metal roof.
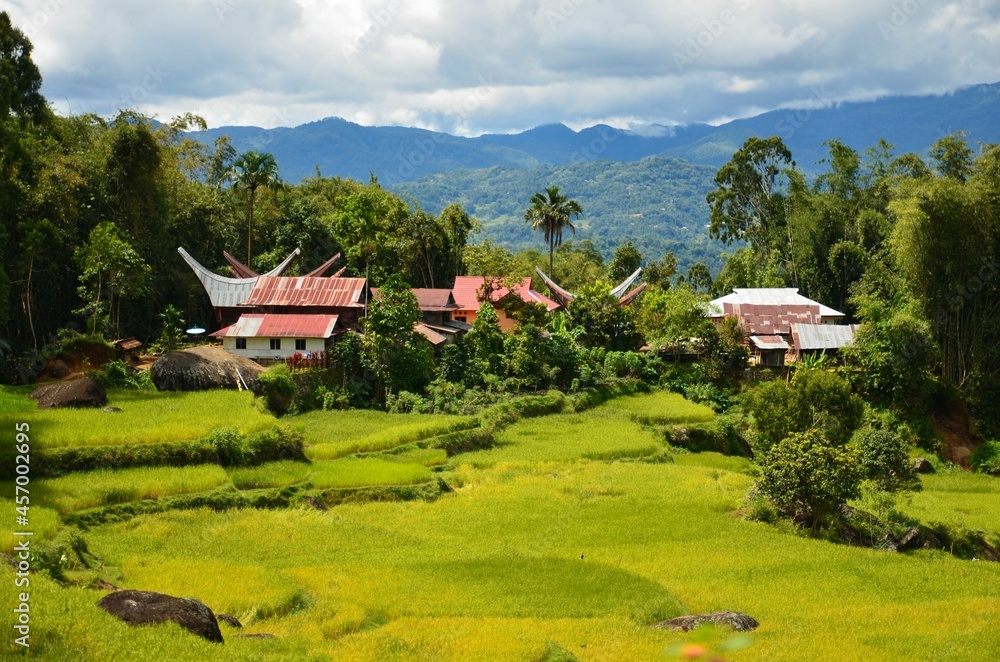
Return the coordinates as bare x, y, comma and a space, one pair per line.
466, 292
280, 326
308, 292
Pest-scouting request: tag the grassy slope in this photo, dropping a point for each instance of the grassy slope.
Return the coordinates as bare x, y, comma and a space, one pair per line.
333, 434
145, 417
537, 544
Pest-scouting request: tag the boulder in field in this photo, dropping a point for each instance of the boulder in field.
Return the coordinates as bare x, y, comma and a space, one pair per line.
147, 607
923, 466
85, 392
734, 619
231, 621
205, 368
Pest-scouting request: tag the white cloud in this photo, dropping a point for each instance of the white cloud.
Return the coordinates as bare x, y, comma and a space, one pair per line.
423, 62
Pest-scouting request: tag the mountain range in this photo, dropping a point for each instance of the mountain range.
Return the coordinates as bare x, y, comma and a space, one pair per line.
647, 185
398, 154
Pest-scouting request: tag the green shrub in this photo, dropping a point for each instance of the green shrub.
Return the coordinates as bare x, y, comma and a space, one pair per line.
228, 446
719, 436
404, 402
277, 388
118, 374
808, 477
884, 459
986, 458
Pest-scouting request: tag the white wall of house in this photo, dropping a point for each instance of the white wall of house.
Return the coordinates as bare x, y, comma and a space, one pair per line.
260, 348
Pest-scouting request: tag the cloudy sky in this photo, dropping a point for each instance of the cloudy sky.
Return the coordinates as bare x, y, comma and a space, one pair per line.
470, 67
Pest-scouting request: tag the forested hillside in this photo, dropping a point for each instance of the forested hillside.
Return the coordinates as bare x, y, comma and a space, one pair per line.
657, 203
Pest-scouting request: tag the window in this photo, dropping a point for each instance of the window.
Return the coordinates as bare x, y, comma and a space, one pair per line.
300, 344
275, 343
460, 318
241, 343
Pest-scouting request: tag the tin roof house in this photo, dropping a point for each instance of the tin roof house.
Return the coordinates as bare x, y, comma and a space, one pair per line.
779, 321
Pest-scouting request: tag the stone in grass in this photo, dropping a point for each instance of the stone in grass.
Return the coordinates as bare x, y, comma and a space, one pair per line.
734, 619
258, 635
231, 621
85, 392
145, 607
923, 466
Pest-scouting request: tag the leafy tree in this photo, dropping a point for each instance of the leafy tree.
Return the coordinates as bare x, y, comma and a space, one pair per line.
173, 328
20, 80
626, 260
606, 323
746, 205
251, 171
895, 358
699, 278
946, 244
551, 213
952, 157
661, 272
808, 477
400, 358
747, 268
884, 459
110, 267
813, 400
367, 225
677, 315
485, 343
458, 225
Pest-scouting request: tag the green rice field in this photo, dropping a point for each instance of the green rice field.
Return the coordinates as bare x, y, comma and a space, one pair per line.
572, 536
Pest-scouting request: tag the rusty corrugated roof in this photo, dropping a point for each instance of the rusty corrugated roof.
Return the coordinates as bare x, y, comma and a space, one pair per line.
769, 342
308, 292
253, 325
765, 319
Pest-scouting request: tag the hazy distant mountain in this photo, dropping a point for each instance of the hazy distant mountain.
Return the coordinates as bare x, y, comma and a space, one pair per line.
397, 154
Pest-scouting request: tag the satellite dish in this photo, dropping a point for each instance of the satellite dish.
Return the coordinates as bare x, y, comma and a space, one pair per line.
195, 331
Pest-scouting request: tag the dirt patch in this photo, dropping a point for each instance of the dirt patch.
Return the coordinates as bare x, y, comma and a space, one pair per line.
954, 425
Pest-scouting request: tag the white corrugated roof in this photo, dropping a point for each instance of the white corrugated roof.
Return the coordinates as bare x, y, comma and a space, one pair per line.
769, 296
823, 336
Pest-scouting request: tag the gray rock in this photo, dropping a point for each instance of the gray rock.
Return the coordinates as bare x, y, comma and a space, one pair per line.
231, 621
85, 392
912, 539
111, 410
204, 368
147, 607
733, 619
923, 466
259, 635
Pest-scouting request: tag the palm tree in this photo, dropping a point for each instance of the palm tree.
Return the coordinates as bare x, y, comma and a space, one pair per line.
551, 213
250, 171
